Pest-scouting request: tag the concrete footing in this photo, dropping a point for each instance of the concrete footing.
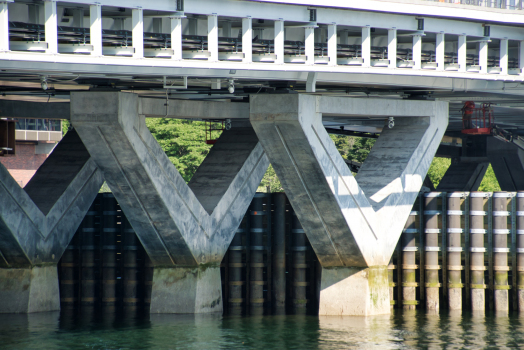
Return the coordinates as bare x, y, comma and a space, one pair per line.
27, 290
187, 290
354, 291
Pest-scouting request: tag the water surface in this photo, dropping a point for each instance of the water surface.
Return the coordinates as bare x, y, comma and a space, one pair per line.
401, 330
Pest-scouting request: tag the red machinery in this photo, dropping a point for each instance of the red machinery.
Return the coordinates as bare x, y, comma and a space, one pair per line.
477, 121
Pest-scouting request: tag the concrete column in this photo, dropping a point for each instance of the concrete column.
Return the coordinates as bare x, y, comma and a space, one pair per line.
310, 45
440, 50
51, 27
332, 44
483, 57
392, 47
176, 37
508, 164
4, 27
366, 46
279, 41
38, 222
95, 28
504, 56
417, 51
462, 51
138, 32
464, 175
212, 37
352, 223
247, 39
185, 228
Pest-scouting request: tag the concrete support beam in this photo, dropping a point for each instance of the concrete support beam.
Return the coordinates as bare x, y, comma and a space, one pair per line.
95, 28
508, 164
352, 223
51, 26
463, 175
247, 39
417, 51
310, 45
462, 51
504, 56
439, 51
38, 222
212, 37
138, 32
332, 44
392, 48
4, 27
185, 228
176, 37
279, 41
521, 57
366, 46
483, 57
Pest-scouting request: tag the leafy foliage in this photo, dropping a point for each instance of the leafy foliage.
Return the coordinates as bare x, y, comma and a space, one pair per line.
489, 182
438, 168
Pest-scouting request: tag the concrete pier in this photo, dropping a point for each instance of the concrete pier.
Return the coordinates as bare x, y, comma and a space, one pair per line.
185, 228
508, 164
352, 223
37, 223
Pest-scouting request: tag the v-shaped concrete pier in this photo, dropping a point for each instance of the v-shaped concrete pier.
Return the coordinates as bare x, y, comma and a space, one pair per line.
38, 222
185, 228
353, 223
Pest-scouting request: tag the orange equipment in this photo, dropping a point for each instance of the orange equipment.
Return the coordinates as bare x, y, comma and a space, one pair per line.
477, 121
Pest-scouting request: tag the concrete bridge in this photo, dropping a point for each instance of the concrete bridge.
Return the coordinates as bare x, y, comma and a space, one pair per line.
285, 73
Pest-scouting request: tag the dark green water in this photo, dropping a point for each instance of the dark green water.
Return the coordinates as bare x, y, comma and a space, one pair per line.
401, 330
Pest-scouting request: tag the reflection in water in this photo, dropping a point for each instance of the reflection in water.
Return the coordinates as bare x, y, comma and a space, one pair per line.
90, 329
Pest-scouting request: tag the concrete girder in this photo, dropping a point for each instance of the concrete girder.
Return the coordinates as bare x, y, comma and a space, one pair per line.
507, 161
185, 229
38, 222
352, 223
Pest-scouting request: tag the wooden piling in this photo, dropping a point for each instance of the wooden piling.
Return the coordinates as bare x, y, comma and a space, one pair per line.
279, 254
501, 250
477, 250
256, 263
409, 266
520, 250
432, 249
454, 249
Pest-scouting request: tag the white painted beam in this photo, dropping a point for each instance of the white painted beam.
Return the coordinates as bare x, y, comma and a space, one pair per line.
392, 48
366, 46
504, 56
4, 27
212, 37
483, 57
95, 28
462, 51
310, 45
439, 51
51, 27
279, 41
247, 39
138, 32
417, 51
521, 57
332, 44
176, 37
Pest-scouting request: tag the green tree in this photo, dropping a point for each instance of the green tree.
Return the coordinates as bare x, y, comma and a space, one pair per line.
489, 182
437, 169
183, 141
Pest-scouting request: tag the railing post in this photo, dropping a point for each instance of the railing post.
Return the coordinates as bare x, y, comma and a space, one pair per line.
366, 46
212, 37
417, 51
4, 27
95, 28
392, 47
310, 45
51, 27
462, 51
504, 56
439, 51
279, 41
176, 37
138, 32
332, 44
